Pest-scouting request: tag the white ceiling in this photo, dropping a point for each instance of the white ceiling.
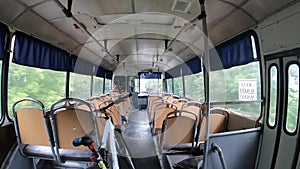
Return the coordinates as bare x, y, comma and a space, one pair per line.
136, 30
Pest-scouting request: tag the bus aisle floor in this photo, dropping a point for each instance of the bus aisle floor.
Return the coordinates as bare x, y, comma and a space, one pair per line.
139, 141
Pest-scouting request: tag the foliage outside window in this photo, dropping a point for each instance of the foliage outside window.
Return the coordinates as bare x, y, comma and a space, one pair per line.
178, 87
169, 86
151, 86
293, 98
80, 86
273, 95
97, 86
194, 87
224, 87
45, 85
107, 85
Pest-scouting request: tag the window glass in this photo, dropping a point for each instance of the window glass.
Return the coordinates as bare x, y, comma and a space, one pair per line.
97, 86
150, 86
293, 98
273, 95
45, 85
239, 83
80, 86
107, 85
169, 86
178, 87
194, 87
131, 84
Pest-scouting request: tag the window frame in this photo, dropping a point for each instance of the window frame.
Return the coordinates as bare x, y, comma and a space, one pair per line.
286, 95
269, 96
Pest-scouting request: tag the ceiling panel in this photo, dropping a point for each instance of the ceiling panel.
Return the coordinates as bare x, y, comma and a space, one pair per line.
216, 10
32, 2
30, 23
49, 10
95, 47
262, 9
165, 6
152, 36
10, 9
89, 55
139, 18
100, 7
230, 26
163, 67
176, 47
107, 19
236, 2
114, 32
130, 58
150, 44
67, 26
77, 50
155, 32
127, 46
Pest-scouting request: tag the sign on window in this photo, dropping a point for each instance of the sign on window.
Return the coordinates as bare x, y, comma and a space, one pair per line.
247, 89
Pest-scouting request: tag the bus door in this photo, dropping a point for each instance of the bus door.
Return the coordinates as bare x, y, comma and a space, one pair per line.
280, 141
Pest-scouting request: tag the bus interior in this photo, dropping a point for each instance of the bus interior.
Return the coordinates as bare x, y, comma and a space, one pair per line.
158, 84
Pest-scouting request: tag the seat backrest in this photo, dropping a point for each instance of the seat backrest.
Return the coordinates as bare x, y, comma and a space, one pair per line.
170, 99
151, 99
32, 127
160, 113
194, 107
179, 103
73, 122
153, 106
179, 128
115, 115
96, 100
101, 123
217, 125
113, 112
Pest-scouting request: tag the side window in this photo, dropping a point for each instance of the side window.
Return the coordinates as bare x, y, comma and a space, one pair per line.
80, 86
151, 86
169, 86
273, 88
194, 87
239, 87
239, 83
45, 85
97, 86
293, 98
178, 87
107, 85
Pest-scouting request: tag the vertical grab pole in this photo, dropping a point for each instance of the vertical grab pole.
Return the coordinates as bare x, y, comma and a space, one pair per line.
202, 16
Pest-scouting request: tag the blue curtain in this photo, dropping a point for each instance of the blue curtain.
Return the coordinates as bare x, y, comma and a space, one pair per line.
235, 52
154, 75
174, 72
108, 74
101, 72
33, 52
3, 33
192, 66
82, 66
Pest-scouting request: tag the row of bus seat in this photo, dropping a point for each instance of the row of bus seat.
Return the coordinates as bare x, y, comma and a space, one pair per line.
48, 134
181, 123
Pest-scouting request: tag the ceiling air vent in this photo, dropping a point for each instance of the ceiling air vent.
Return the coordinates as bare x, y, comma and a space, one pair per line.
181, 5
